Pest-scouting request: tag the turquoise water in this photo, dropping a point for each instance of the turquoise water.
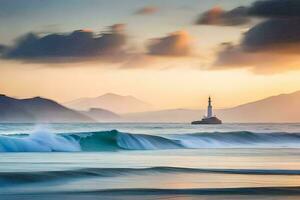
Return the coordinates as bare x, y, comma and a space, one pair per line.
149, 161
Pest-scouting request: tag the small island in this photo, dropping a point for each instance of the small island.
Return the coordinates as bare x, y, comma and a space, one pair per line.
209, 119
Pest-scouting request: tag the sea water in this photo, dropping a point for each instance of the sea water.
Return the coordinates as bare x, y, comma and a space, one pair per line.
149, 161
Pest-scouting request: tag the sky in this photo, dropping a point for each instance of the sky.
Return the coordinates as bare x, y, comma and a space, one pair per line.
171, 53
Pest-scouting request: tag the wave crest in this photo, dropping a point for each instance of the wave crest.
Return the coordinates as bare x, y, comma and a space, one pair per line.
114, 140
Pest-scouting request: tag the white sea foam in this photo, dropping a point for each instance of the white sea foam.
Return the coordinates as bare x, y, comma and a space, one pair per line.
40, 140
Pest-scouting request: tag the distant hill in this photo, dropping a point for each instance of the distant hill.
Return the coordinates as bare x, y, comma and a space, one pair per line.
101, 115
37, 110
113, 102
281, 108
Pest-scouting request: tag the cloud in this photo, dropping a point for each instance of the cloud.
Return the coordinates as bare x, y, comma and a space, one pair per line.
175, 44
2, 48
242, 15
270, 46
220, 17
280, 35
88, 46
275, 8
147, 10
260, 62
79, 44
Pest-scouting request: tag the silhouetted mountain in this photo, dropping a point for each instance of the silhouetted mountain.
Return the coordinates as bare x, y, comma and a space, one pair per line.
281, 108
37, 109
101, 115
113, 102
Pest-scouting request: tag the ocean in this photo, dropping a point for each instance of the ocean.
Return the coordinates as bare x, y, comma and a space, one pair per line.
149, 161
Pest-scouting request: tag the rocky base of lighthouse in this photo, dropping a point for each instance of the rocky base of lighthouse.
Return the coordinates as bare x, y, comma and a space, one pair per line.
210, 120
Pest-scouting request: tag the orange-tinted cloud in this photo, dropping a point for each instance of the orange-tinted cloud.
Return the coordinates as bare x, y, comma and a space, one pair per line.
260, 62
220, 17
147, 10
175, 44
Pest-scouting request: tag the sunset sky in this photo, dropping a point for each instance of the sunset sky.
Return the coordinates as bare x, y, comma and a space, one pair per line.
170, 53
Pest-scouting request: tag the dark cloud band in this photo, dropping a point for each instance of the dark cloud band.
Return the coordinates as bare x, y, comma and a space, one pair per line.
273, 43
275, 8
78, 44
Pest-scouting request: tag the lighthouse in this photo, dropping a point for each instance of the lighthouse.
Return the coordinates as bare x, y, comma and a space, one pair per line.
209, 109
209, 118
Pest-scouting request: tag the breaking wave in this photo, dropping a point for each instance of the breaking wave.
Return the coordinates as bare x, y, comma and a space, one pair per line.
43, 141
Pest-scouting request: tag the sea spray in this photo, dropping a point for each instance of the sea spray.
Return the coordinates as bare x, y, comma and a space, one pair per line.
40, 140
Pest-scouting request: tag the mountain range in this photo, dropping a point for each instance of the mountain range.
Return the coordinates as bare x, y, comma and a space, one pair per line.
280, 108
112, 102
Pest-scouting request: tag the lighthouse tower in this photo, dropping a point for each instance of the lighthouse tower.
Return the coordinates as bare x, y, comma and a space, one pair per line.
209, 109
209, 119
